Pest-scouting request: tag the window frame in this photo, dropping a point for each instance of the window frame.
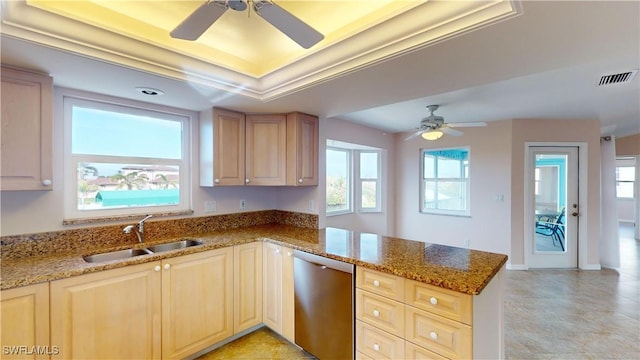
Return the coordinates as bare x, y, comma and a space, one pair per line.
349, 182
354, 185
71, 99
463, 213
626, 162
377, 179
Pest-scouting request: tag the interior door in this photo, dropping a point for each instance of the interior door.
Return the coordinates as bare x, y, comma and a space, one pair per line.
552, 239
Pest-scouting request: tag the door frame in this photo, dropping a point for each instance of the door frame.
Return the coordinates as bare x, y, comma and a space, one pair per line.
583, 208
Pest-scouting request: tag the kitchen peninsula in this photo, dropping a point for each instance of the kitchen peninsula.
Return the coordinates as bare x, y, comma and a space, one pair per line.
412, 298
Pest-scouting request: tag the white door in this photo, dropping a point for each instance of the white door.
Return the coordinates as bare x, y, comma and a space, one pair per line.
552, 207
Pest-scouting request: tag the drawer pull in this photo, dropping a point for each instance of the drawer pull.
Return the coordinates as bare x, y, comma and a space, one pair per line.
376, 283
376, 347
433, 301
157, 268
376, 313
433, 335
167, 266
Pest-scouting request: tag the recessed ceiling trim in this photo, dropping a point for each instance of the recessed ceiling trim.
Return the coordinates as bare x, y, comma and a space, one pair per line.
424, 25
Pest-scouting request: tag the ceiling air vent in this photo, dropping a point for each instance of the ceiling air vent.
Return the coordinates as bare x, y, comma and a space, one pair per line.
617, 78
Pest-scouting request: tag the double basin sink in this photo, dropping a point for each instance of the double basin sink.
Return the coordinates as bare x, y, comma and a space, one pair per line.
130, 253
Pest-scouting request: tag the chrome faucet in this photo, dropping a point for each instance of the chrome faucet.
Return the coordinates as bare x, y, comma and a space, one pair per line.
139, 229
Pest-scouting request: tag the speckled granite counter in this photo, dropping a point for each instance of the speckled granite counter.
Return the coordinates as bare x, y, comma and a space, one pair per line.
463, 270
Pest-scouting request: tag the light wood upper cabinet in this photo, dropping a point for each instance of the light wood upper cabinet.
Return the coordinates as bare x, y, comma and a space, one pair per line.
25, 321
302, 149
197, 302
266, 150
222, 148
247, 281
26, 134
112, 314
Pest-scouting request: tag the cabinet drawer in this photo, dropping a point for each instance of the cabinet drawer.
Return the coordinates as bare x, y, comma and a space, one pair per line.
380, 283
444, 302
377, 344
438, 334
412, 351
380, 311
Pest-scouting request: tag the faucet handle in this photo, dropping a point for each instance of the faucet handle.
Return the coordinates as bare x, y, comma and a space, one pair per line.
145, 219
127, 229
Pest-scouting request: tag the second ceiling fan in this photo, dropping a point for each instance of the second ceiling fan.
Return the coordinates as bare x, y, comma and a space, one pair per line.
204, 16
433, 126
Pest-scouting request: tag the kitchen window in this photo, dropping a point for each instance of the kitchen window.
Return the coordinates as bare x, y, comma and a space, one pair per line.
444, 187
124, 158
353, 172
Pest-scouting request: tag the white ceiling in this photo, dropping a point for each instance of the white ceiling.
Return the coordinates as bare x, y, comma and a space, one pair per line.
544, 63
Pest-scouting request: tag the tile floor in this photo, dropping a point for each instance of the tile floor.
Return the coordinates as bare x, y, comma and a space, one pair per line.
549, 314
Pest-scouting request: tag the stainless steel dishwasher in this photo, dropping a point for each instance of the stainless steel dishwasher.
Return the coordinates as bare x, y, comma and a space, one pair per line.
323, 306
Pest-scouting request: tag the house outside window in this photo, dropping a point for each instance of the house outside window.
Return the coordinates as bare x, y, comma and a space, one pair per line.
124, 159
625, 177
353, 178
444, 187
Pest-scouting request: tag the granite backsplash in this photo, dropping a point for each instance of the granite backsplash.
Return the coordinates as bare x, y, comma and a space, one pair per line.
104, 237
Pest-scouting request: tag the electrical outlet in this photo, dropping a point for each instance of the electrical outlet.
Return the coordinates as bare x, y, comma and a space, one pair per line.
311, 205
467, 242
243, 204
210, 206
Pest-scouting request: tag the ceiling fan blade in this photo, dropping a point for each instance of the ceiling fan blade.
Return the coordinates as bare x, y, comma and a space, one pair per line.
294, 28
199, 21
467, 124
415, 134
449, 131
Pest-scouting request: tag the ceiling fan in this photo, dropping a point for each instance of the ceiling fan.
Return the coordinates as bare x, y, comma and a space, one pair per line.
433, 126
204, 16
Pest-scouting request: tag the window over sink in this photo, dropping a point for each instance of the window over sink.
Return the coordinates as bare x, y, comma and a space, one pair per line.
124, 158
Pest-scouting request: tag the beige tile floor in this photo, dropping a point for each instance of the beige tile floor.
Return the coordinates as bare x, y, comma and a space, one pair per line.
549, 314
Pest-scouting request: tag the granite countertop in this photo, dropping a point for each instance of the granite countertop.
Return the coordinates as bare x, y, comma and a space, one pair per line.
463, 270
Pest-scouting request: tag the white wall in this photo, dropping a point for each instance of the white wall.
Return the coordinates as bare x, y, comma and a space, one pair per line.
380, 223
24, 212
489, 226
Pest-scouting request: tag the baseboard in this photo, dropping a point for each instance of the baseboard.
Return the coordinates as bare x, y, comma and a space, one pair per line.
517, 267
591, 267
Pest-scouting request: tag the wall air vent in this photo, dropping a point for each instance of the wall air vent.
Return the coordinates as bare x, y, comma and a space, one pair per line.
617, 78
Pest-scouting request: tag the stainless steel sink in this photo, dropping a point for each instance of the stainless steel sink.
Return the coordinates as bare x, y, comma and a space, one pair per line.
174, 245
116, 255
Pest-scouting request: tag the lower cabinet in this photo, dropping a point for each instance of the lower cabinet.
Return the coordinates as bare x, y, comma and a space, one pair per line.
169, 309
278, 297
247, 286
402, 318
25, 323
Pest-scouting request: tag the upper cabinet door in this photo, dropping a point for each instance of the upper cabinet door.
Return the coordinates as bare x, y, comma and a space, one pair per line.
27, 135
266, 150
222, 148
302, 149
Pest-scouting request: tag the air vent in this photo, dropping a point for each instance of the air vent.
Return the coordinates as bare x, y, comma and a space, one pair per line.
620, 78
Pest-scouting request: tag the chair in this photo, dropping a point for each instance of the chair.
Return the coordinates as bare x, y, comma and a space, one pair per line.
552, 228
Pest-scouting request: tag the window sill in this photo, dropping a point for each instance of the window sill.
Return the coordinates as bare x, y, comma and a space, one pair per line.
336, 213
106, 219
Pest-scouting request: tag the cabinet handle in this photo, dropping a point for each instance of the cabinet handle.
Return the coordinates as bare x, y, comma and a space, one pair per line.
376, 283
300, 181
157, 268
167, 266
217, 181
376, 347
433, 300
277, 251
433, 335
46, 182
246, 181
289, 253
376, 313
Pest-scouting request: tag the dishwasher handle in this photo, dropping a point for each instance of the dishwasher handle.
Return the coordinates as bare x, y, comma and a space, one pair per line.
324, 262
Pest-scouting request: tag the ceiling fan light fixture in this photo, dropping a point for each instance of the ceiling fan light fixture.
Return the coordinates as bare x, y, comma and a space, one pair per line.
432, 135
